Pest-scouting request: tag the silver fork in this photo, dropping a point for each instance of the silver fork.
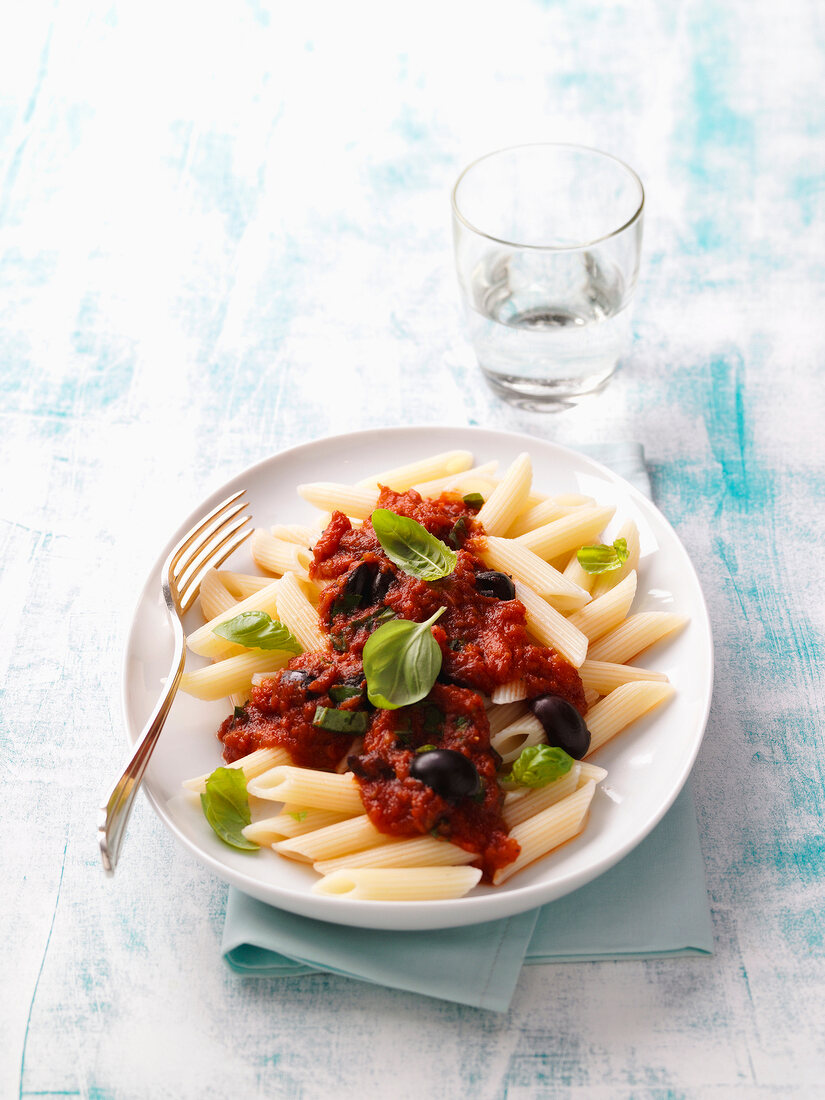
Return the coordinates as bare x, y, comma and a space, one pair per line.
208, 544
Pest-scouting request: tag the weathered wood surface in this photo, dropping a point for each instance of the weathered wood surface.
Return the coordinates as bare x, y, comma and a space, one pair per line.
225, 229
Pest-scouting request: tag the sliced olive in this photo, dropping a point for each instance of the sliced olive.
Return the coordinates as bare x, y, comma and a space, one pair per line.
298, 677
563, 726
359, 582
498, 585
450, 774
380, 585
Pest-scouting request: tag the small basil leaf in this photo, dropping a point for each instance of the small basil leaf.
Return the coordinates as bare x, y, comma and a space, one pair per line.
539, 765
226, 807
603, 559
340, 721
401, 662
257, 630
411, 547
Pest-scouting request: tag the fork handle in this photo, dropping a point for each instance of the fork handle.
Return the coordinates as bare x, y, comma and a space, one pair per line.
114, 814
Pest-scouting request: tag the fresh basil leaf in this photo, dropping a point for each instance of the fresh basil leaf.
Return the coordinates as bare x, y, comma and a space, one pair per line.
340, 721
257, 630
539, 765
603, 559
401, 661
411, 547
226, 807
473, 500
343, 691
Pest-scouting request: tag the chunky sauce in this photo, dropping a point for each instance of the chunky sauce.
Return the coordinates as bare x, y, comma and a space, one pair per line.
484, 643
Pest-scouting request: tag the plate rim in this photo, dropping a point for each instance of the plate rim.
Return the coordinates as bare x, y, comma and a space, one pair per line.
419, 915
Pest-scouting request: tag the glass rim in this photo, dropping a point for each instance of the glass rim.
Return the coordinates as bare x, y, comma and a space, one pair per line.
548, 247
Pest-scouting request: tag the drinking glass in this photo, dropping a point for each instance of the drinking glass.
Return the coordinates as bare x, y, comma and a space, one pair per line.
547, 243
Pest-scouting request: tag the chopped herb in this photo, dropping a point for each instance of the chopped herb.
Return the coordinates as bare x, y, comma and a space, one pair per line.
424, 748
473, 500
346, 603
433, 718
462, 722
340, 721
603, 559
343, 691
339, 643
238, 712
458, 533
455, 644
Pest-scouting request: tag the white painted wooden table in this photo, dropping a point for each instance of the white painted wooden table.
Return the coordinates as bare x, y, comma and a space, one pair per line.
224, 229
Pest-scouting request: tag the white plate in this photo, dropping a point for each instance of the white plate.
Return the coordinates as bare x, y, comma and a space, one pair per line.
647, 764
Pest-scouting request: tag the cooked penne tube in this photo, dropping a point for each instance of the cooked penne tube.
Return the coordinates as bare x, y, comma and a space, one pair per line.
562, 535
353, 501
520, 734
508, 497
333, 840
501, 716
511, 692
542, 513
578, 576
604, 676
299, 615
205, 642
309, 787
234, 674
402, 478
399, 884
550, 627
254, 764
635, 634
214, 596
590, 697
294, 532
456, 483
289, 823
278, 555
520, 805
588, 771
547, 829
509, 556
424, 851
607, 611
243, 584
621, 707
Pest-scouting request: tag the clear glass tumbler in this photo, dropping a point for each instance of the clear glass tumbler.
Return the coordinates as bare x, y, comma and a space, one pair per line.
547, 244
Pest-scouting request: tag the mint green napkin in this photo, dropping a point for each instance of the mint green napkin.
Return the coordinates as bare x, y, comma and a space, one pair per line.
652, 904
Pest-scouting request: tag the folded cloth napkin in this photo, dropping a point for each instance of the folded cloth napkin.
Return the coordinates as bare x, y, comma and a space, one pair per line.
652, 904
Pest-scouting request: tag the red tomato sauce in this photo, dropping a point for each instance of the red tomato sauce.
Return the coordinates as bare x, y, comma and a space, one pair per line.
484, 643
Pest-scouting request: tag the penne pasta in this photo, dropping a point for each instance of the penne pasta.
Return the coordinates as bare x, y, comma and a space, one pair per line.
234, 674
607, 611
621, 707
279, 555
508, 497
299, 615
562, 535
603, 676
511, 692
634, 635
290, 823
358, 503
550, 627
402, 478
522, 564
547, 829
214, 596
501, 716
605, 581
307, 787
243, 584
254, 764
520, 734
524, 804
424, 851
333, 840
399, 884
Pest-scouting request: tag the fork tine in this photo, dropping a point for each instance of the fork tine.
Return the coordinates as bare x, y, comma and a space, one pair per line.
212, 563
207, 554
208, 545
190, 537
203, 536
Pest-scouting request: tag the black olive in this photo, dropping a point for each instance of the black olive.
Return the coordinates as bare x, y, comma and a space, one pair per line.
380, 586
563, 725
498, 585
450, 774
359, 582
298, 677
